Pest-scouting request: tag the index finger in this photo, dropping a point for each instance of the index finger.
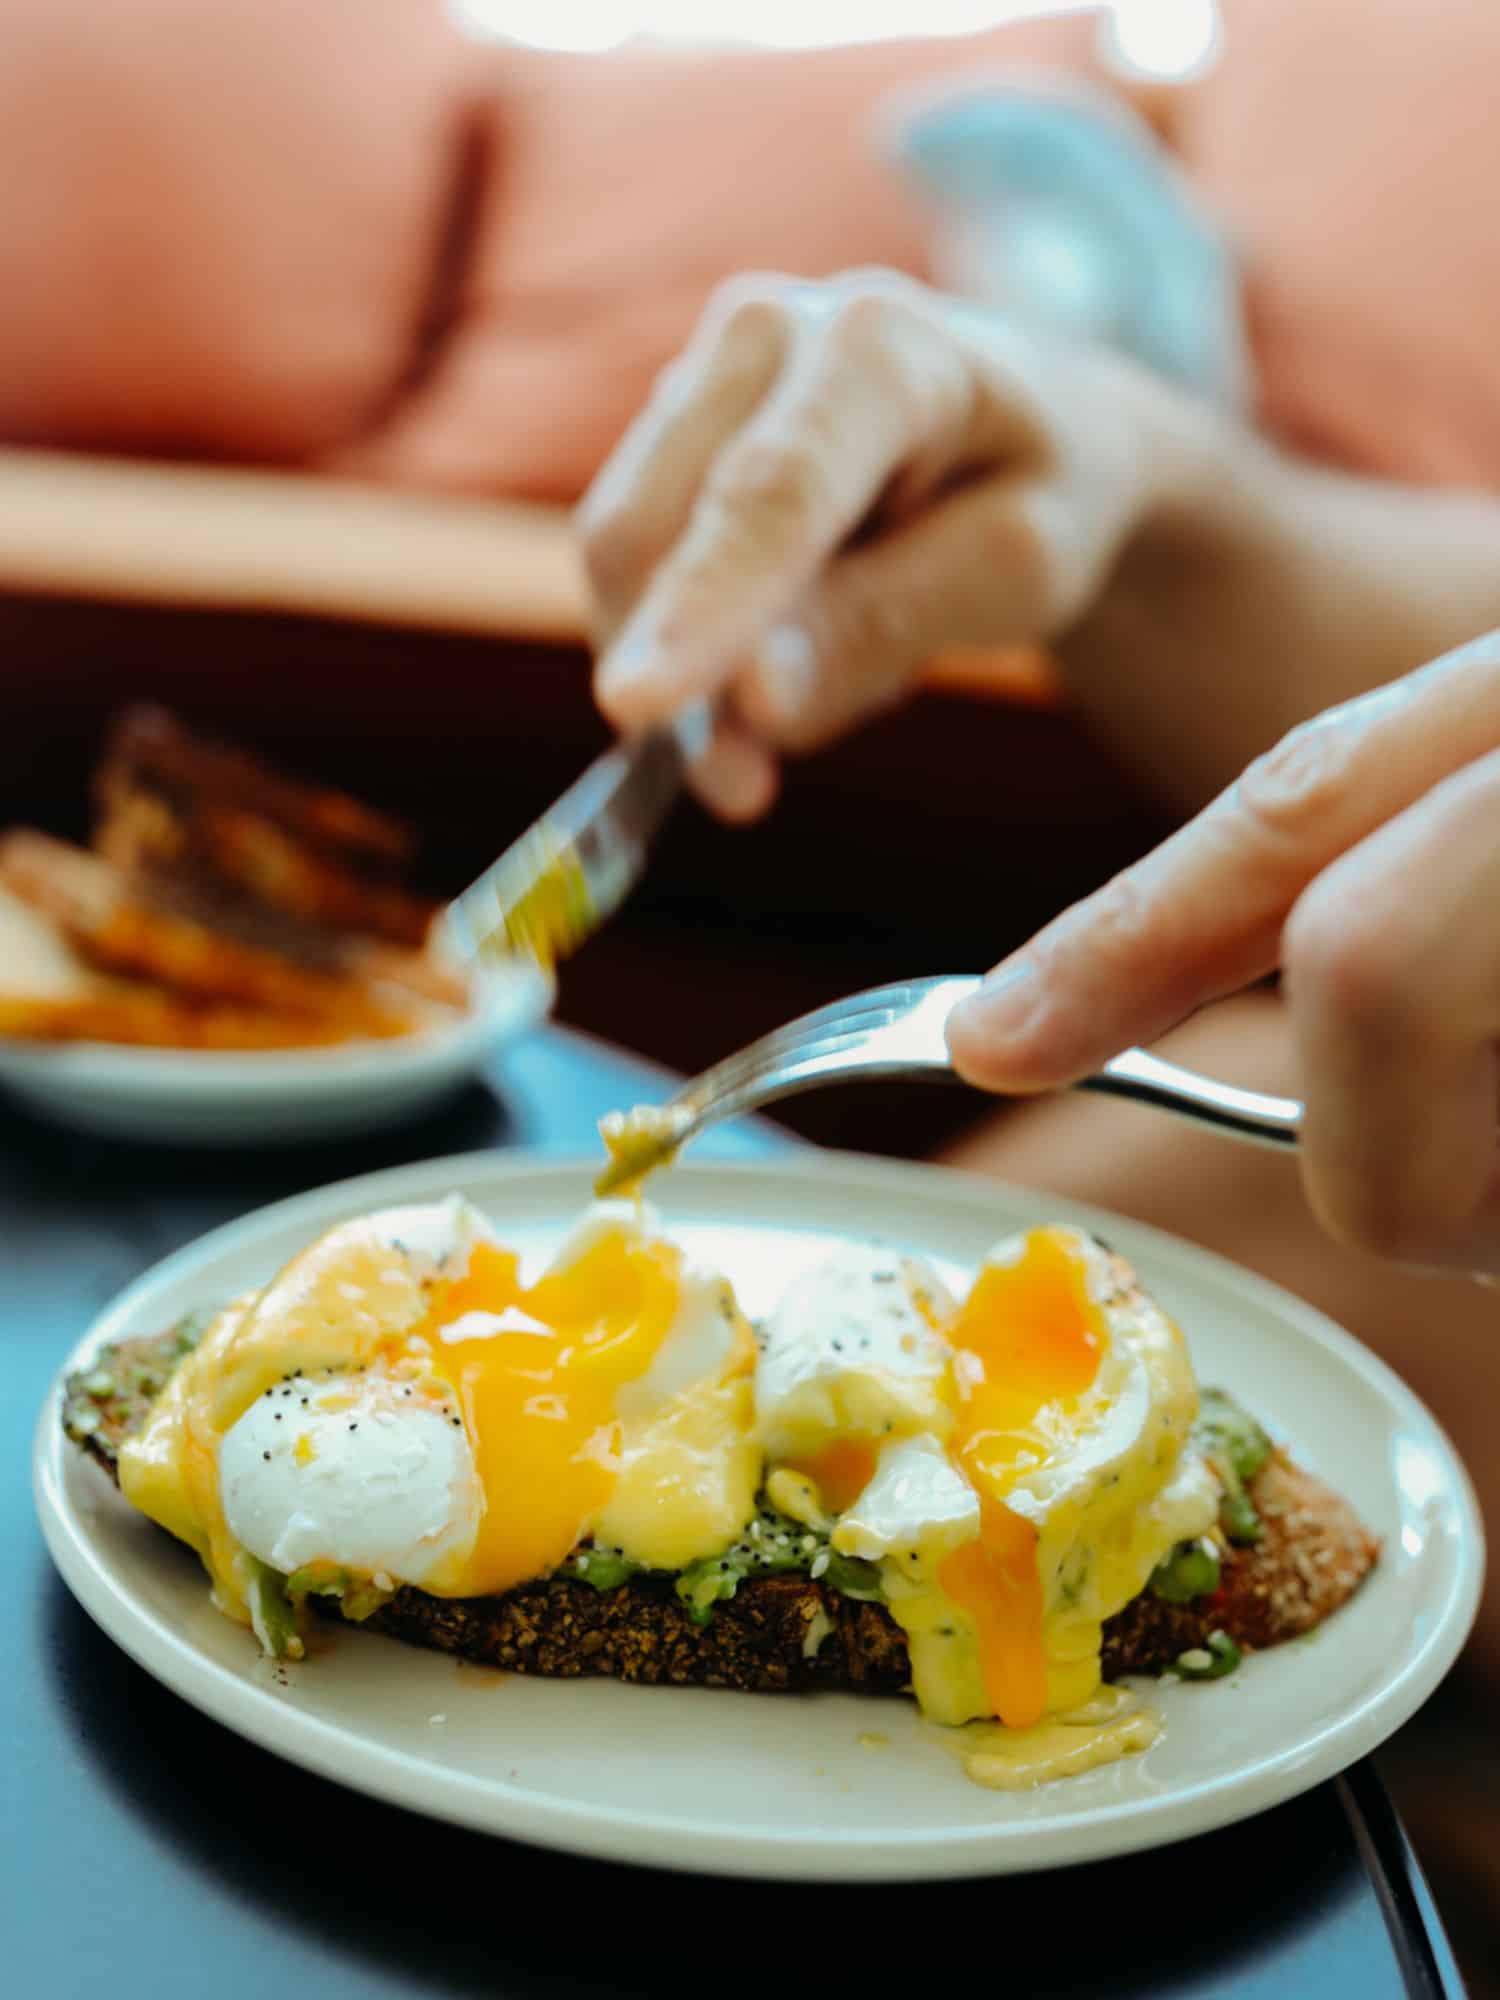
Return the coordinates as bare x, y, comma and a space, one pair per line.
1202, 915
866, 386
643, 497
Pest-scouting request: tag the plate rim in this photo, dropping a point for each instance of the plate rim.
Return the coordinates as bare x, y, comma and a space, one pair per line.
611, 1833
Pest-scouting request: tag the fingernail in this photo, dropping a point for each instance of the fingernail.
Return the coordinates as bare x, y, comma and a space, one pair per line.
1001, 1009
789, 670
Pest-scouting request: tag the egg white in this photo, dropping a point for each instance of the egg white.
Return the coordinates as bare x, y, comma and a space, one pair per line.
853, 1352
348, 1470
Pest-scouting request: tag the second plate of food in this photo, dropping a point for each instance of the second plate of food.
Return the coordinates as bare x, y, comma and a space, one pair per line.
259, 1097
826, 1785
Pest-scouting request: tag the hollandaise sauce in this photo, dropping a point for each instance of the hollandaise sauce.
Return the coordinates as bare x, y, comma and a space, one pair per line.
1112, 1726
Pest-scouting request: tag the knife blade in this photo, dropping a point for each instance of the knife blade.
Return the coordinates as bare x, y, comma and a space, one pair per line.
568, 873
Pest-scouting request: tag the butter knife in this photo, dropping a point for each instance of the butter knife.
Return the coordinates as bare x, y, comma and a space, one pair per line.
570, 871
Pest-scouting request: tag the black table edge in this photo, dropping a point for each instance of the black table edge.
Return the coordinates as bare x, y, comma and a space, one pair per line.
1418, 1939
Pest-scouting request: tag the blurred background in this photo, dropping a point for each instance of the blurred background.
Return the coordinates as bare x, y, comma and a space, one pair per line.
552, 194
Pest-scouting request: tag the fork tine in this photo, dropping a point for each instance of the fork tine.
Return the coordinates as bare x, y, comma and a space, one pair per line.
860, 1011
890, 1000
837, 1027
762, 1059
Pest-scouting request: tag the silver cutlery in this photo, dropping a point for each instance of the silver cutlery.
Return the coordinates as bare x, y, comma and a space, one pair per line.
898, 1031
569, 872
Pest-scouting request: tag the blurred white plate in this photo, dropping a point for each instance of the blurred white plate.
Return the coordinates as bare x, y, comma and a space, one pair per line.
785, 1786
263, 1097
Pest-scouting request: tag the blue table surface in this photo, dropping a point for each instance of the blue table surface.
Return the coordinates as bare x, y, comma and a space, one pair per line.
147, 1851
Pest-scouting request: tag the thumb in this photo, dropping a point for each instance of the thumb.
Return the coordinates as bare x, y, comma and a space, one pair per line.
1202, 915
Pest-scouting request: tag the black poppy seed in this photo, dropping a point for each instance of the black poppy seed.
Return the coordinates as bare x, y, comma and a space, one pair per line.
278, 1416
303, 1401
266, 1456
354, 1427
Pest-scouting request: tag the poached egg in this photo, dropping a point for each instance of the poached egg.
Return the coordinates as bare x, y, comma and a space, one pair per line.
1014, 1464
398, 1403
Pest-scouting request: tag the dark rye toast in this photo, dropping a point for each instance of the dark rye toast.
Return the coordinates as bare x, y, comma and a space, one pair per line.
790, 1631
231, 841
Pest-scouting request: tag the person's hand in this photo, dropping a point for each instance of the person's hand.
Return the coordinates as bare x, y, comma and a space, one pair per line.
1362, 856
838, 480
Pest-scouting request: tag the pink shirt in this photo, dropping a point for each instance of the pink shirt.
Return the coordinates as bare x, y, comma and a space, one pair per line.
217, 224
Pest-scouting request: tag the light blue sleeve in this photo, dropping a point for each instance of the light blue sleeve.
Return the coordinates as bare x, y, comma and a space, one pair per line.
1070, 213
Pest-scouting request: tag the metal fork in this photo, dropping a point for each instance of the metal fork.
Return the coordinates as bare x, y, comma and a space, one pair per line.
896, 1031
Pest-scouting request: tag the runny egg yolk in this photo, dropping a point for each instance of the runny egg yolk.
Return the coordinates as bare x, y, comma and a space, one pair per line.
537, 1385
840, 1471
1027, 1340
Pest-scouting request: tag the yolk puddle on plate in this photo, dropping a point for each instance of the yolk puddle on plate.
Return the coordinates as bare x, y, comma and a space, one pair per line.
1028, 1338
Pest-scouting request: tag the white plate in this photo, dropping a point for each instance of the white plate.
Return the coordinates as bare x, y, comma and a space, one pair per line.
268, 1096
782, 1786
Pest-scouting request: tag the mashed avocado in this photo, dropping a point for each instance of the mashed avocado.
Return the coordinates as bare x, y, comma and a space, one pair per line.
1236, 1446
771, 1545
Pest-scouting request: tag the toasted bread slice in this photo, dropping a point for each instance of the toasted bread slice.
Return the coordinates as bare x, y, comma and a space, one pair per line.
118, 932
792, 1632
48, 993
150, 750
140, 1016
189, 814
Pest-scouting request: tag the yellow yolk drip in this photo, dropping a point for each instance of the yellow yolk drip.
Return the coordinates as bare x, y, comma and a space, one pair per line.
1026, 1340
538, 1396
996, 1580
